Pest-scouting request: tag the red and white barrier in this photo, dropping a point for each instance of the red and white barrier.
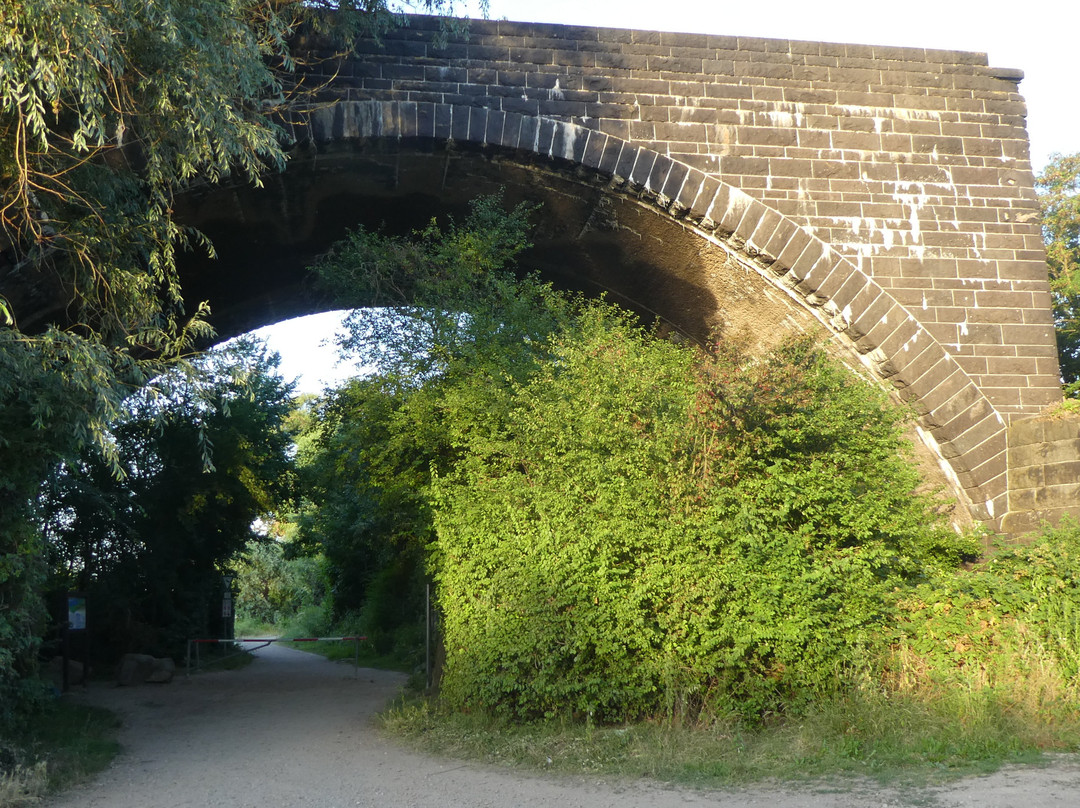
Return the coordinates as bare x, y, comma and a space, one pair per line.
265, 641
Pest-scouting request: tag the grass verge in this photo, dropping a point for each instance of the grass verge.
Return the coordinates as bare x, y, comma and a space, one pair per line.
64, 744
368, 657
888, 738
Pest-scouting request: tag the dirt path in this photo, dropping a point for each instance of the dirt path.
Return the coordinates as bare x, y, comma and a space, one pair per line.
293, 730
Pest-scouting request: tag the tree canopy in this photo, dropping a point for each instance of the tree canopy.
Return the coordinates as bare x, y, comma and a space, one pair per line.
200, 466
107, 111
1059, 195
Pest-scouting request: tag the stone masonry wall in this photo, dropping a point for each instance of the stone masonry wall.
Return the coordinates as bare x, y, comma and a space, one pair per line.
913, 163
890, 187
1044, 471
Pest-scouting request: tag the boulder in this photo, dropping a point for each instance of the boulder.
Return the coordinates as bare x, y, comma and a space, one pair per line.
163, 672
135, 669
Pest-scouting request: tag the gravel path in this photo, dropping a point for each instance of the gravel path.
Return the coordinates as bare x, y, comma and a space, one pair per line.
293, 730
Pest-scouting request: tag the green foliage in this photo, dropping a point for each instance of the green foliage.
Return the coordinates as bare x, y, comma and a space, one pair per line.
64, 744
272, 589
364, 479
861, 734
107, 111
646, 531
619, 527
201, 460
1059, 196
56, 391
1010, 626
367, 456
448, 301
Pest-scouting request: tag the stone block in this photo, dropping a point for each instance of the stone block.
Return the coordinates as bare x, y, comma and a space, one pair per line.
705, 199
628, 155
1063, 428
136, 669
659, 174
868, 308
643, 167
676, 177
545, 135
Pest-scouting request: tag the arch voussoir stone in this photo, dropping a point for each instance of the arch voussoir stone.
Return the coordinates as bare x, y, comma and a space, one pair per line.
876, 326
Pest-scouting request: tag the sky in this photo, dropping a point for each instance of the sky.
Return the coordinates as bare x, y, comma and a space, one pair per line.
1039, 37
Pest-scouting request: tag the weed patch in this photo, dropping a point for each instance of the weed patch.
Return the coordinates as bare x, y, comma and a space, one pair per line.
62, 745
886, 738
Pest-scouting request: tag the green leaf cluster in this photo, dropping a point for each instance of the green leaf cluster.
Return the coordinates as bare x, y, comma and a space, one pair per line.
649, 530
1010, 626
272, 588
367, 457
57, 391
1059, 197
201, 460
107, 111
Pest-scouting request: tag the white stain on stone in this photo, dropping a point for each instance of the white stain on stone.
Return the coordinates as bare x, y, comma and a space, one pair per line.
788, 120
890, 113
568, 142
913, 196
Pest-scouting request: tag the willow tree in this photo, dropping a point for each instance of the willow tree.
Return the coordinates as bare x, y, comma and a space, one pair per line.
107, 111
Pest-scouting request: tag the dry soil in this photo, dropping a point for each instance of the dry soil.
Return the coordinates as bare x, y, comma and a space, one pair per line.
293, 730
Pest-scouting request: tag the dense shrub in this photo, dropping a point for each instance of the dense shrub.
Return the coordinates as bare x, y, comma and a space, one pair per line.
647, 530
618, 526
271, 588
1009, 627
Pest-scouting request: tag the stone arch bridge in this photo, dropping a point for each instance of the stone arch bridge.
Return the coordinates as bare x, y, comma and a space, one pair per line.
883, 195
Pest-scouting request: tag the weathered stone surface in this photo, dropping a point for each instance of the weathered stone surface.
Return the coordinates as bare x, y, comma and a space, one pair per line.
1044, 471
137, 669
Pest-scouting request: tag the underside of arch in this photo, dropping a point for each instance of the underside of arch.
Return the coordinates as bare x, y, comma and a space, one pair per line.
658, 236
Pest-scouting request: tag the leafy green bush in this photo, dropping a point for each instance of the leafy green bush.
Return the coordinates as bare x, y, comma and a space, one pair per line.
272, 588
1009, 628
619, 527
647, 531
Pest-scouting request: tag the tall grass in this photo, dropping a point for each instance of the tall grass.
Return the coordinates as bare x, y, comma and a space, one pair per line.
875, 734
64, 744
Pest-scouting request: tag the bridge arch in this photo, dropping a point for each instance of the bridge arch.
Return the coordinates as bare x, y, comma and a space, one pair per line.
764, 269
